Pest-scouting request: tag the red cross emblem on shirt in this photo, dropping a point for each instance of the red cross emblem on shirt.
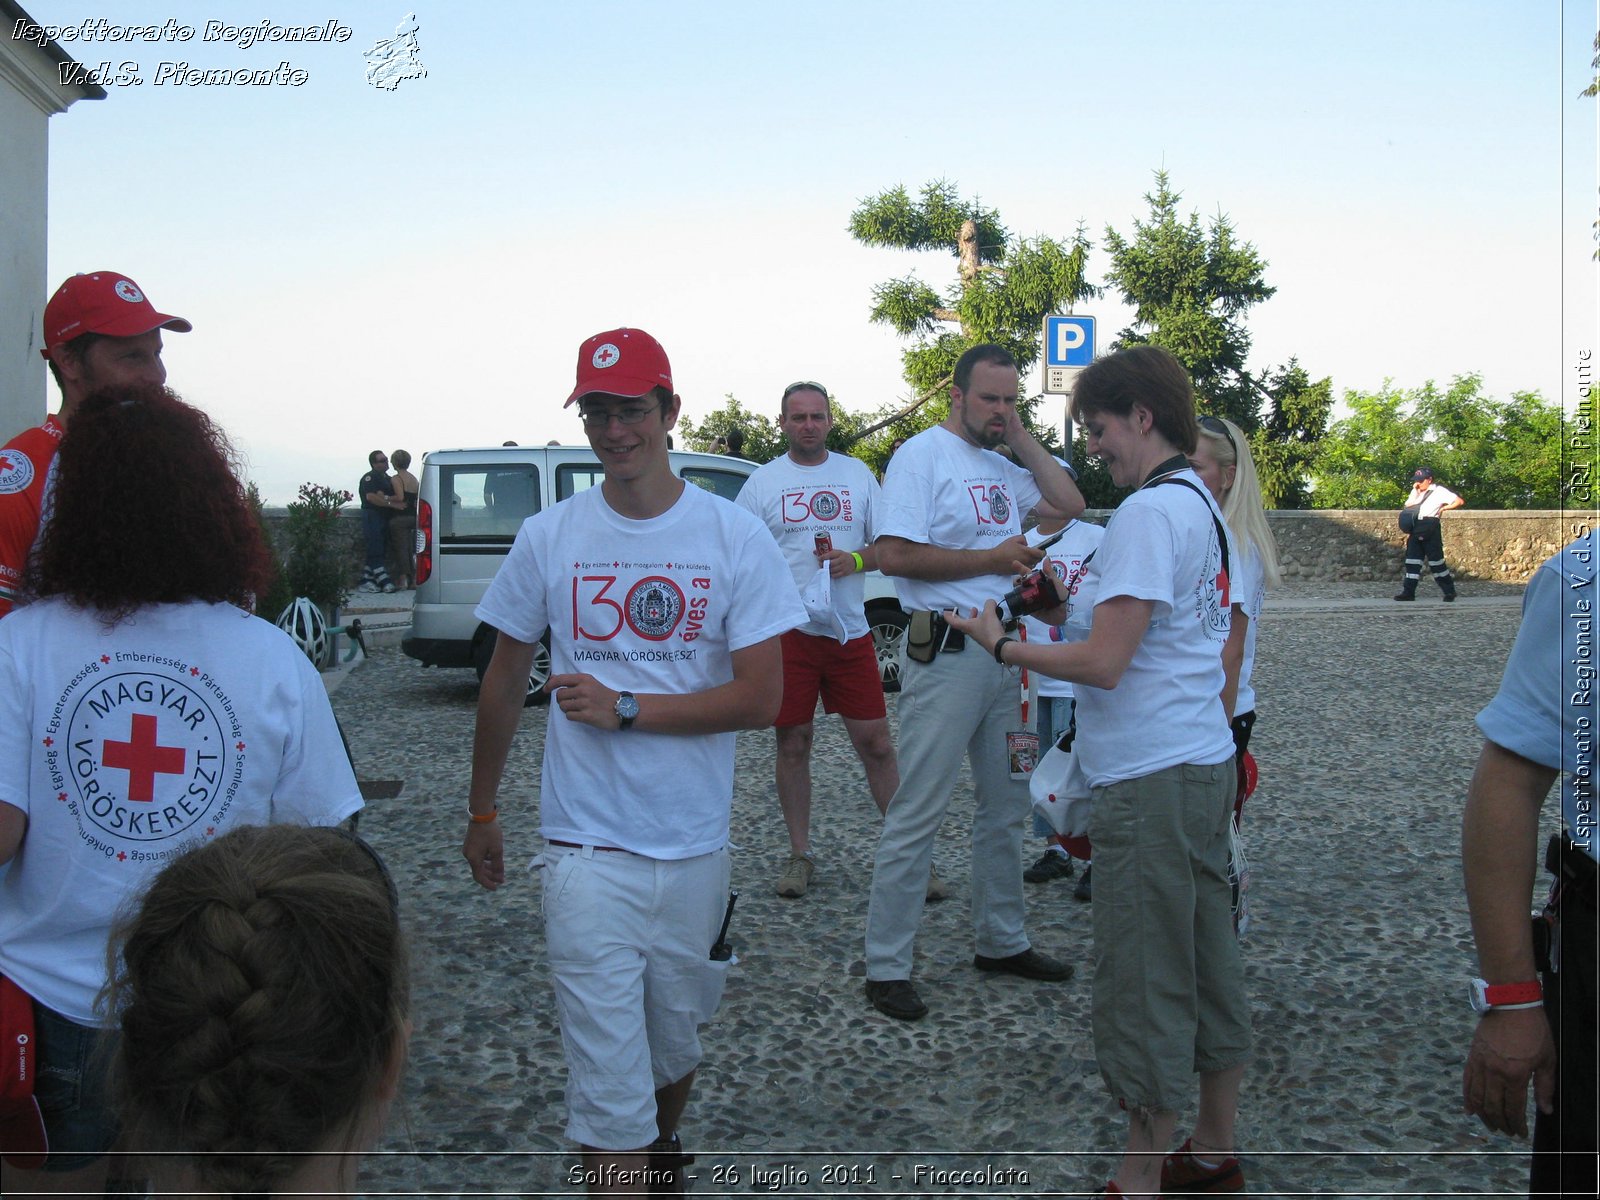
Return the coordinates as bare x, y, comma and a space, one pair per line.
143, 758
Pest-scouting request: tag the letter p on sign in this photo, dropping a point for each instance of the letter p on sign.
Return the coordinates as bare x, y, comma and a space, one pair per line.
1068, 341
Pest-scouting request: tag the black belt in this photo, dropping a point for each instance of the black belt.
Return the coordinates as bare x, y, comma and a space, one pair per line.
580, 846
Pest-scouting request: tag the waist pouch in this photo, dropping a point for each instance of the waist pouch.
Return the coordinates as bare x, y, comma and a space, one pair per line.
930, 634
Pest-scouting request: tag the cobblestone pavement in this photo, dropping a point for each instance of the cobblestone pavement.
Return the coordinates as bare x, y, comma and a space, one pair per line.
1357, 964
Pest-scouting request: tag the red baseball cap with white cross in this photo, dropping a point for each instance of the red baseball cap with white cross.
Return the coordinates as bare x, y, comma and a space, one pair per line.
621, 362
105, 302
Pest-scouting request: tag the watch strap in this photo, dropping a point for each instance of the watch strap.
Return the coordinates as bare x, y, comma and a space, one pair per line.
1508, 995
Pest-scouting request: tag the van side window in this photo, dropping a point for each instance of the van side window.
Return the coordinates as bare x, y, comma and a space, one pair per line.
720, 483
572, 478
486, 503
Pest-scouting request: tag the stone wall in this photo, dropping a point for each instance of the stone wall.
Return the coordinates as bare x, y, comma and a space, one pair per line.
1334, 545
1331, 545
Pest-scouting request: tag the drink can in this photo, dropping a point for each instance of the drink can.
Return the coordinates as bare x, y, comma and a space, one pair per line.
824, 543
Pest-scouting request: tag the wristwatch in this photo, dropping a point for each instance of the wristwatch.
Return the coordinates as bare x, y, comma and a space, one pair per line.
627, 709
1486, 997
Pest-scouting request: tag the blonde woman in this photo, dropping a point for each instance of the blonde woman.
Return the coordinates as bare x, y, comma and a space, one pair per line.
1222, 460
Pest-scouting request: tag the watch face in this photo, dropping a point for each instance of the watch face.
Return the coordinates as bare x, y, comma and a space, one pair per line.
1476, 990
627, 707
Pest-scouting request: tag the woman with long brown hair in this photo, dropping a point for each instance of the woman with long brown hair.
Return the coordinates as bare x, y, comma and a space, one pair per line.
143, 711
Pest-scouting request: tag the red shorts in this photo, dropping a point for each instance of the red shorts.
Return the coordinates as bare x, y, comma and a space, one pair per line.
845, 676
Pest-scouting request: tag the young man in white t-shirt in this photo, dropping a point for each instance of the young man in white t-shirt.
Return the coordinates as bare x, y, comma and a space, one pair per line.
952, 534
821, 508
664, 605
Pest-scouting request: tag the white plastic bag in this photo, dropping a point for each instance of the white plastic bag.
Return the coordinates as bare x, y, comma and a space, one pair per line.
1060, 792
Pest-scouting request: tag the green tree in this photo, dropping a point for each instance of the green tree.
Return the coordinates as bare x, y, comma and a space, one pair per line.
1366, 459
1191, 286
1499, 454
762, 441
1004, 287
1285, 445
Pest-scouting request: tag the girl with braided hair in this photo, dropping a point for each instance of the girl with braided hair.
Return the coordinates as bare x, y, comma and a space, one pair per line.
263, 991
143, 711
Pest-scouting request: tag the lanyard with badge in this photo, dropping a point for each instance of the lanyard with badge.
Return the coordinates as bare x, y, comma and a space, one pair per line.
1022, 745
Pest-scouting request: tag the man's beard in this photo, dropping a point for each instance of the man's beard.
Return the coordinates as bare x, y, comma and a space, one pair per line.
982, 436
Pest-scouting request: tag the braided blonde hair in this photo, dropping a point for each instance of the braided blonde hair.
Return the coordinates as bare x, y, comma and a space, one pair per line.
262, 988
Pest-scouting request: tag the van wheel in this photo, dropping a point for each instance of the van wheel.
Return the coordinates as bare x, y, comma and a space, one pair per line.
537, 676
888, 626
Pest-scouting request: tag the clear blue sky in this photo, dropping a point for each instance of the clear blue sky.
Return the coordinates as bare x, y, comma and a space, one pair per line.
416, 267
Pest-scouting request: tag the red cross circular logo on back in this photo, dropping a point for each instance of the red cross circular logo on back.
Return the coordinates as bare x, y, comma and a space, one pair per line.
148, 755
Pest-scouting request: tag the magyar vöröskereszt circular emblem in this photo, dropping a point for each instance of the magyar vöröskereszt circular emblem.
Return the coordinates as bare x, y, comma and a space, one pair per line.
606, 355
16, 471
655, 606
825, 506
147, 754
128, 291
999, 506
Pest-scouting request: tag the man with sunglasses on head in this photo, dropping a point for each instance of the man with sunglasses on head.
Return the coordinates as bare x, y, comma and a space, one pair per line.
952, 532
99, 331
821, 508
664, 604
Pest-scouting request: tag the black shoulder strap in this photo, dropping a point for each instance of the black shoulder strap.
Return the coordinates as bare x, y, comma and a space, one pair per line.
1222, 535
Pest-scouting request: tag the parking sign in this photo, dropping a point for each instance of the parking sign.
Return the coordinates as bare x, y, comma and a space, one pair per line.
1068, 341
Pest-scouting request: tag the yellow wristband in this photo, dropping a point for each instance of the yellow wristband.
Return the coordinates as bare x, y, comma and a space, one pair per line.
861, 564
483, 818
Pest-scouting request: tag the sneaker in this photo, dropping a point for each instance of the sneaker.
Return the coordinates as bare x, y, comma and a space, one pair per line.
796, 877
367, 586
390, 589
1183, 1175
938, 889
1052, 864
1082, 892
896, 998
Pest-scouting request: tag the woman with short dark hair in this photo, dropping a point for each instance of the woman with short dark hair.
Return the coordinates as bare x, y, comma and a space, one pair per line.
1155, 746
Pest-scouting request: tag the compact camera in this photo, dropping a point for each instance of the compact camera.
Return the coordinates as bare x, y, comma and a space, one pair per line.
1032, 594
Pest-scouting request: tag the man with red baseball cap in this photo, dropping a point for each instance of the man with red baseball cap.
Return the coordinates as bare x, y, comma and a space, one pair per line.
99, 331
664, 605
